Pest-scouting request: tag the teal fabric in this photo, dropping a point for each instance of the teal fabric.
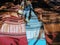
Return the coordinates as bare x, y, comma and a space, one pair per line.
32, 29
40, 42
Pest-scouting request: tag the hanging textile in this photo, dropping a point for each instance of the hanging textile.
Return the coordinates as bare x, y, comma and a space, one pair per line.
51, 22
13, 31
